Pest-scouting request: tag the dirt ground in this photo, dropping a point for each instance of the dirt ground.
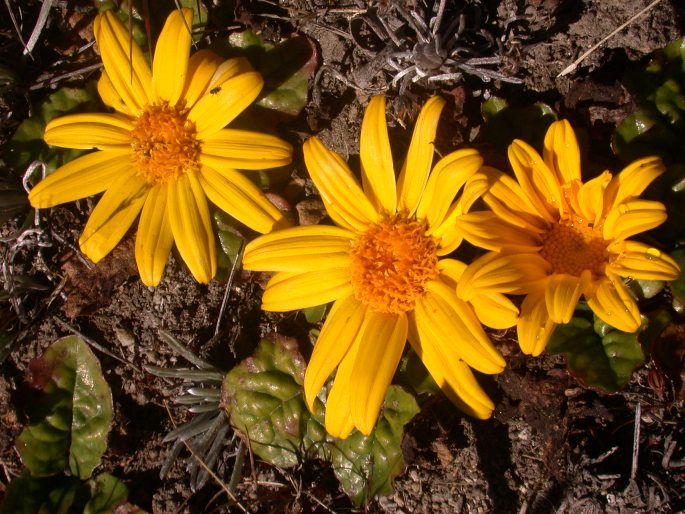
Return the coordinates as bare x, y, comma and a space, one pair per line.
552, 445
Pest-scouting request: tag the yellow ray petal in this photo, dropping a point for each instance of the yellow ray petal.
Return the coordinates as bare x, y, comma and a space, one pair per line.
229, 69
633, 217
613, 303
448, 176
496, 273
562, 294
535, 326
110, 97
82, 177
337, 335
344, 199
454, 322
306, 248
338, 416
291, 291
417, 165
234, 193
113, 215
590, 198
125, 64
191, 225
536, 180
505, 198
245, 150
486, 230
202, 66
643, 262
451, 271
378, 173
90, 130
224, 103
170, 63
632, 181
495, 310
561, 152
454, 377
154, 238
382, 340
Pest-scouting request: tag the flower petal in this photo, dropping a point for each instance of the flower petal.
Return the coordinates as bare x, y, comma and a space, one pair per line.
110, 96
590, 198
124, 62
291, 291
448, 176
337, 335
633, 217
496, 273
453, 322
642, 262
244, 149
237, 195
113, 215
305, 248
85, 176
561, 151
382, 340
613, 303
535, 326
170, 63
454, 377
202, 65
227, 70
486, 230
417, 165
191, 225
224, 103
90, 130
344, 200
495, 310
155, 238
536, 180
562, 294
632, 181
338, 415
378, 173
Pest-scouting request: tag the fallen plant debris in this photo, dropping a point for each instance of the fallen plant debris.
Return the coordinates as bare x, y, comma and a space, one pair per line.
181, 396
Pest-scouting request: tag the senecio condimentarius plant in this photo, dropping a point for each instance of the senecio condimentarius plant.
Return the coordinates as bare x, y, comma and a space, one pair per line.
554, 237
383, 265
164, 151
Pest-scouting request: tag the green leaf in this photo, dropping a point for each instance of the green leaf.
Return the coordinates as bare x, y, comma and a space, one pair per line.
678, 285
263, 397
315, 314
75, 412
366, 466
504, 123
27, 144
106, 492
286, 68
599, 355
31, 495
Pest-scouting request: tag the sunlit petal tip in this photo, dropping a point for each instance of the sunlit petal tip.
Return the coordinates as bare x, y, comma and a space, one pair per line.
170, 62
534, 327
561, 152
614, 304
378, 174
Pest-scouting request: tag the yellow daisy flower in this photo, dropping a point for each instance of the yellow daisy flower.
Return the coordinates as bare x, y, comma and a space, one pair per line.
382, 267
164, 151
556, 238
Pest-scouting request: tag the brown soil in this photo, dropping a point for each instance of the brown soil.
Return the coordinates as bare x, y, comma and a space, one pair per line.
552, 446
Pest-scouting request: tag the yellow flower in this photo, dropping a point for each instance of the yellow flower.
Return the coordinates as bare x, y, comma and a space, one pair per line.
382, 267
556, 238
164, 151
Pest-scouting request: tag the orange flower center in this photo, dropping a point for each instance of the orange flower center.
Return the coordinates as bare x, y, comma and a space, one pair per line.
164, 143
391, 263
572, 246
